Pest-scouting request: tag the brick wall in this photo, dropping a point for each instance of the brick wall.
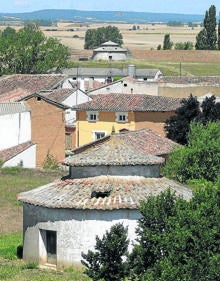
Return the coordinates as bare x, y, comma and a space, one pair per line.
48, 129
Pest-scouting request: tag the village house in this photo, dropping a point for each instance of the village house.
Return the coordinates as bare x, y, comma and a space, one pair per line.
110, 51
106, 181
117, 112
92, 78
183, 86
16, 147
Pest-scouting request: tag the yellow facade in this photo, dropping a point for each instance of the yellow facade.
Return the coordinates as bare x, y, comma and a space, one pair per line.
86, 130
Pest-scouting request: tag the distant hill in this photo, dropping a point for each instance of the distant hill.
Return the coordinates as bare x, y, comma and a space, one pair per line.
104, 16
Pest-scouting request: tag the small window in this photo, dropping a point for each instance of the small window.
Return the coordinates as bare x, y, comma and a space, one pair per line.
122, 117
92, 116
97, 135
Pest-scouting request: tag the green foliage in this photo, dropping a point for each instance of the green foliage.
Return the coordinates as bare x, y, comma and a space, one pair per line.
29, 51
8, 31
50, 162
177, 126
167, 44
106, 263
183, 46
200, 158
8, 245
218, 34
178, 239
207, 37
29, 265
95, 37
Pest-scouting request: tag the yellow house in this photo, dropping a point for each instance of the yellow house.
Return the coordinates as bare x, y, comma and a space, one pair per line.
105, 113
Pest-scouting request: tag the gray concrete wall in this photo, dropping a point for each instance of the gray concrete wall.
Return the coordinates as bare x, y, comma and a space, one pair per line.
76, 231
148, 171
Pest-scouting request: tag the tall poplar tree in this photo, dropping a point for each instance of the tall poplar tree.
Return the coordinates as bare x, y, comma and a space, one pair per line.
219, 34
207, 37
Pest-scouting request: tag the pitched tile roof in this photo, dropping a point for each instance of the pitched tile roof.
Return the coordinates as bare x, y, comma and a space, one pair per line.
17, 86
144, 141
11, 152
148, 141
130, 102
101, 193
58, 95
114, 152
13, 107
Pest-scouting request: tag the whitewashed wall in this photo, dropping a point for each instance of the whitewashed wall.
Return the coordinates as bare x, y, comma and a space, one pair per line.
76, 231
14, 129
27, 158
75, 98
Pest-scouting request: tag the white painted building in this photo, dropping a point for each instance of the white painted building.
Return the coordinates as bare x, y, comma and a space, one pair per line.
16, 147
15, 124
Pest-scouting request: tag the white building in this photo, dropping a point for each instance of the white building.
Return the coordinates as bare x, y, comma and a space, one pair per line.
15, 131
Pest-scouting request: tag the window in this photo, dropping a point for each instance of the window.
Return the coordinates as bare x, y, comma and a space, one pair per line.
68, 141
97, 135
122, 117
92, 116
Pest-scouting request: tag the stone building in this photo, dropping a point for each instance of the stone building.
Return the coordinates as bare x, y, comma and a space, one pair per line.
110, 51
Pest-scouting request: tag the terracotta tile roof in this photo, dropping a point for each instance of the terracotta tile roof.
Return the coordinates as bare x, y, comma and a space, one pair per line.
146, 141
58, 95
18, 86
11, 152
115, 152
101, 193
203, 80
130, 102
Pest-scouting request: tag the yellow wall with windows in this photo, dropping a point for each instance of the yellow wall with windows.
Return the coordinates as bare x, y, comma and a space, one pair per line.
106, 121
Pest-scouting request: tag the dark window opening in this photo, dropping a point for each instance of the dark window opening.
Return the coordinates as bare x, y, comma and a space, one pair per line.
98, 194
125, 85
51, 238
92, 117
38, 98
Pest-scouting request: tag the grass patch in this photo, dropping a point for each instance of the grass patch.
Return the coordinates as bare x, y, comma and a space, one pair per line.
9, 244
14, 269
16, 180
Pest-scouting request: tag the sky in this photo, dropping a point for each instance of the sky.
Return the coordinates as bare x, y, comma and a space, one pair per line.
160, 6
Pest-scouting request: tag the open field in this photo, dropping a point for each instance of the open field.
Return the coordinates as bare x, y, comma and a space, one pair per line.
142, 44
12, 182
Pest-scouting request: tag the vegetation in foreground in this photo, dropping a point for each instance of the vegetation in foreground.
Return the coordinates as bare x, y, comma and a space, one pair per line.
176, 240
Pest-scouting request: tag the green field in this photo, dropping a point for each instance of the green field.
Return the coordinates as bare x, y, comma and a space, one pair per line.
168, 68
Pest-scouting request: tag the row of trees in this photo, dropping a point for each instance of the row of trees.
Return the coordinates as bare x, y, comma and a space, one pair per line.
176, 240
29, 51
168, 44
95, 37
207, 39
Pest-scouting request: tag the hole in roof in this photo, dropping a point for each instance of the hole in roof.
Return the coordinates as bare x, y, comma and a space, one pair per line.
100, 194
